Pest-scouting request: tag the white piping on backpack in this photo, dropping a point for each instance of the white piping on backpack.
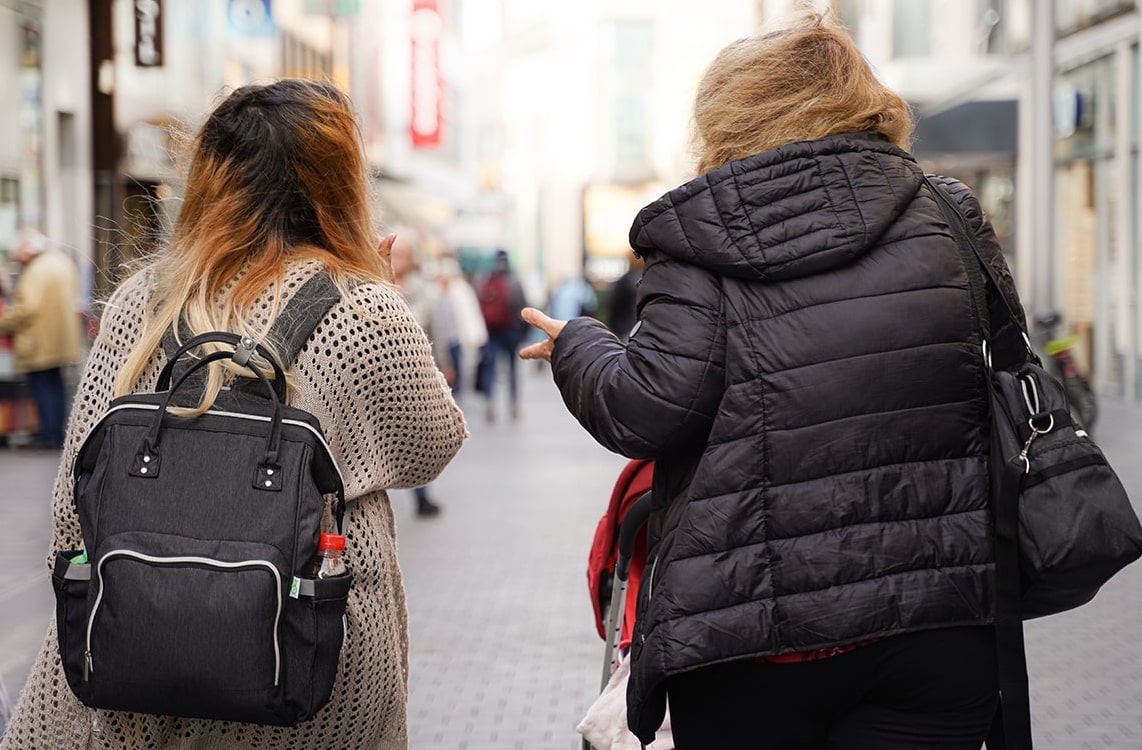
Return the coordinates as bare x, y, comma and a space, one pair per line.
254, 417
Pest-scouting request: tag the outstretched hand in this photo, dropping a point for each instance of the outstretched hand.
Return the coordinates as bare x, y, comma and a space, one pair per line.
550, 326
385, 250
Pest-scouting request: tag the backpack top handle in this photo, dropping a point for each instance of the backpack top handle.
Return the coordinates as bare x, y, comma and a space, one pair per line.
148, 460
244, 348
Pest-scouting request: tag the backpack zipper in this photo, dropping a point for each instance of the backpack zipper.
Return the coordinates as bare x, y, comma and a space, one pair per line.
179, 560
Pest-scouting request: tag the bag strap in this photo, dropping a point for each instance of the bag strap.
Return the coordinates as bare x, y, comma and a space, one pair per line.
295, 324
1011, 727
965, 238
292, 328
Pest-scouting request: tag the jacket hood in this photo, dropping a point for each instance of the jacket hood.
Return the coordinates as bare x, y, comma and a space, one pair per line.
797, 210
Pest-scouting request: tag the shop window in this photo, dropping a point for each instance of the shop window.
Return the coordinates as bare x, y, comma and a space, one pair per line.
632, 53
911, 28
9, 213
849, 12
1071, 15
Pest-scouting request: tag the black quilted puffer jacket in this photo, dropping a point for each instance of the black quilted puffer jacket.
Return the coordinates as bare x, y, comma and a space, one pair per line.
807, 372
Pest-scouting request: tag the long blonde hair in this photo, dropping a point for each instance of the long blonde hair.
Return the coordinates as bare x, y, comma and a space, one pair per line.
277, 174
799, 83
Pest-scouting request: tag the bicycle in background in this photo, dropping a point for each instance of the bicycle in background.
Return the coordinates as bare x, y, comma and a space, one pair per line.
1060, 362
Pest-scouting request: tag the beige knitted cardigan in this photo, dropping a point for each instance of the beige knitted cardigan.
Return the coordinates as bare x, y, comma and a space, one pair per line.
368, 374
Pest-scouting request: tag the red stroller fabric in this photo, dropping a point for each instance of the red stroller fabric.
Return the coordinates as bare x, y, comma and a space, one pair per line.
632, 483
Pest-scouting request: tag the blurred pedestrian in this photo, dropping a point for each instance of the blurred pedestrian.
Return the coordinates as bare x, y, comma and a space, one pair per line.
418, 294
622, 314
276, 192
821, 563
572, 297
458, 330
501, 301
45, 330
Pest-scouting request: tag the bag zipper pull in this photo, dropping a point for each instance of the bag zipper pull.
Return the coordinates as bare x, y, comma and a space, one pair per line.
87, 670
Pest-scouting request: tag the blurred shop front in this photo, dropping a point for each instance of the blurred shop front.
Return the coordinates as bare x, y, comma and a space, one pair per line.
1097, 284
976, 142
21, 130
609, 209
1096, 281
147, 185
1084, 168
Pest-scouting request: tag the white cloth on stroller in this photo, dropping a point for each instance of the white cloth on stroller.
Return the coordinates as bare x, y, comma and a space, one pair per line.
605, 725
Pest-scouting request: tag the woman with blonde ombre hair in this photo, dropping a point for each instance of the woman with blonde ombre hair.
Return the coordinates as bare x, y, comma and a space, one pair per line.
276, 194
806, 372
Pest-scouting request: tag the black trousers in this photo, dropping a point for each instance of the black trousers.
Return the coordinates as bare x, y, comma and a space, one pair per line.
935, 690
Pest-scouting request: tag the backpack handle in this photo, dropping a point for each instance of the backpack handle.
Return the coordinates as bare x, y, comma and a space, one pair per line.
221, 337
268, 471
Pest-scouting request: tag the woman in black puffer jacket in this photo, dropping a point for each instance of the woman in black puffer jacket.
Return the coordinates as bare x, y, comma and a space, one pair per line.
807, 373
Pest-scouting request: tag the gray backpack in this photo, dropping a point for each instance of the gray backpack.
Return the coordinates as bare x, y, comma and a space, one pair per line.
193, 596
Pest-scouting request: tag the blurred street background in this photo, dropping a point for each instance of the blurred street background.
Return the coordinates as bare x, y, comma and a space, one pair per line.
536, 129
540, 128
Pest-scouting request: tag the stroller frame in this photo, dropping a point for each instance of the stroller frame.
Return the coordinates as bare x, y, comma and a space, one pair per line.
633, 521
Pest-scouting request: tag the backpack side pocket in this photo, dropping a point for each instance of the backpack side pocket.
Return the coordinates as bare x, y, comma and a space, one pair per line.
70, 581
312, 636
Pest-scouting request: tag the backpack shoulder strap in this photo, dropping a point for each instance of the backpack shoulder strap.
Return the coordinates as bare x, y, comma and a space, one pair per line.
292, 328
305, 309
981, 276
294, 323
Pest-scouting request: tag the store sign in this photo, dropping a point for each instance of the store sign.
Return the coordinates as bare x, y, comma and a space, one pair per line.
426, 29
1073, 110
148, 33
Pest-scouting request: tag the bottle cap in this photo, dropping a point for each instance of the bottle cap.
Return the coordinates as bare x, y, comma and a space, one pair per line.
331, 541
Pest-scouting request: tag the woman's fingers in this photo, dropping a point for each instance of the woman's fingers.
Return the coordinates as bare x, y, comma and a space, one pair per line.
541, 350
385, 248
550, 326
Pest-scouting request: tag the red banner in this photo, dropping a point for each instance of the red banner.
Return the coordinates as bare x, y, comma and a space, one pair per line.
426, 28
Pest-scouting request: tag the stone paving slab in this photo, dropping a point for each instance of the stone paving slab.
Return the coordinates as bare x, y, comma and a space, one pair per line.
504, 650
1085, 666
26, 601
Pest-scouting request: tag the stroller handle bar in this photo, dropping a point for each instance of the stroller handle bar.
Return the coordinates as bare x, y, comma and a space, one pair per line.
635, 518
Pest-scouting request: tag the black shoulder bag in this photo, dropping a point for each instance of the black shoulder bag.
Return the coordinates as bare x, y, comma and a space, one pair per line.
1064, 524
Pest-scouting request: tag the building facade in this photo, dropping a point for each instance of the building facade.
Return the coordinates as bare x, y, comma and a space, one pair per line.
967, 69
45, 145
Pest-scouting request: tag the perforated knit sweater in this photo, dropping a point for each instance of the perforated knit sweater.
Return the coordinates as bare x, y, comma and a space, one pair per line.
367, 373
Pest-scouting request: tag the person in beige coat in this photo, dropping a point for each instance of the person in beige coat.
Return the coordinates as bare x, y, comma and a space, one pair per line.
276, 191
45, 328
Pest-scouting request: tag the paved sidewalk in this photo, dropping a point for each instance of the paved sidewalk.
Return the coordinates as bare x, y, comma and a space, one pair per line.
26, 602
1085, 666
504, 650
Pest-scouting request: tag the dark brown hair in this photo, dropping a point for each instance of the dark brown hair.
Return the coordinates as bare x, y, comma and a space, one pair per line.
277, 173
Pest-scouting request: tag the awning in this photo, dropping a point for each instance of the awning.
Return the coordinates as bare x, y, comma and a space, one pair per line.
971, 127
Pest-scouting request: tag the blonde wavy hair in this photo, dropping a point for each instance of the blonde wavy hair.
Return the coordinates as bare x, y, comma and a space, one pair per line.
277, 174
799, 83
